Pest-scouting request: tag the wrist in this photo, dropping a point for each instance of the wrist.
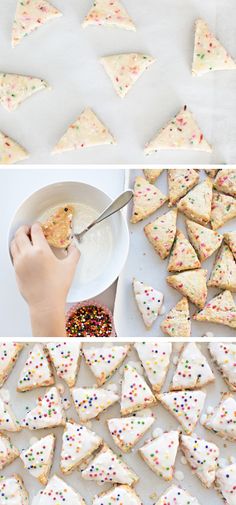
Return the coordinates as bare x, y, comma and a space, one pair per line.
48, 320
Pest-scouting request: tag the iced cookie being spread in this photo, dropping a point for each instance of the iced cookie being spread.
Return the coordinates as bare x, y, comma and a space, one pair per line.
185, 406
182, 256
193, 370
177, 322
149, 302
192, 284
160, 454
230, 239
224, 355
155, 358
14, 89
30, 15
78, 444
223, 209
180, 182
48, 412
8, 452
223, 275
161, 233
221, 309
147, 199
225, 181
10, 151
13, 491
209, 55
103, 361
196, 205
175, 495
58, 228
136, 394
38, 458
204, 240
36, 371
222, 419
108, 467
202, 456
65, 357
107, 13
182, 132
152, 174
120, 495
226, 483
127, 432
90, 402
8, 421
9, 353
58, 492
86, 131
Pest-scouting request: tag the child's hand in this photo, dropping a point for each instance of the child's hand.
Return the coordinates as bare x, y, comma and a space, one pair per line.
43, 279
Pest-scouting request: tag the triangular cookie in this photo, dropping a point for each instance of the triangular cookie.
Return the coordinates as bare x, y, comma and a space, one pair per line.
155, 358
225, 181
191, 284
221, 309
9, 353
8, 452
108, 467
182, 132
13, 491
224, 355
58, 491
107, 13
86, 131
160, 454
104, 360
222, 419
38, 458
182, 256
226, 483
223, 275
8, 421
30, 15
58, 228
125, 69
152, 174
36, 371
209, 55
223, 209
149, 302
78, 444
197, 203
202, 456
177, 323
136, 394
121, 495
180, 182
211, 172
48, 412
65, 357
161, 233
10, 151
185, 406
175, 495
204, 240
90, 402
127, 432
230, 239
193, 370
14, 89
147, 199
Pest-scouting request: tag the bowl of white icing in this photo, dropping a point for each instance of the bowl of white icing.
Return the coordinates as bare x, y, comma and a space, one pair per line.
104, 248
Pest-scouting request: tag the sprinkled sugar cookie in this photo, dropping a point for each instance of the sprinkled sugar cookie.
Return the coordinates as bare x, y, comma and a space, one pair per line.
223, 209
204, 240
90, 402
193, 371
155, 358
78, 444
182, 256
230, 239
37, 459
48, 413
222, 419
36, 371
177, 322
30, 15
202, 456
175, 495
224, 355
226, 483
209, 55
127, 432
121, 495
180, 182
136, 394
147, 199
152, 174
10, 151
108, 13
221, 309
160, 454
182, 132
8, 421
108, 467
14, 89
58, 228
161, 233
9, 353
8, 452
225, 181
223, 275
149, 302
13, 491
65, 357
105, 360
58, 492
196, 205
192, 284
185, 406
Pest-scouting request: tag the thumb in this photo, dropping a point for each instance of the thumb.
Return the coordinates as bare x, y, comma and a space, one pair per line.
73, 255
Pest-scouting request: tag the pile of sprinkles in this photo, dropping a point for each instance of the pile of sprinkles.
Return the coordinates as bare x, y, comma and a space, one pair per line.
89, 320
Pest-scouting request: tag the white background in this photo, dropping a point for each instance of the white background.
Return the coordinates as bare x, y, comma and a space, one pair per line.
67, 56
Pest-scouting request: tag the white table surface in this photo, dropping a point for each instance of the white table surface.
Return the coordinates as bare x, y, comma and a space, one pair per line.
67, 56
15, 186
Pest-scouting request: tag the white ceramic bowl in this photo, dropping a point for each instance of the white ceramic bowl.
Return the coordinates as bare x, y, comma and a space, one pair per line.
110, 243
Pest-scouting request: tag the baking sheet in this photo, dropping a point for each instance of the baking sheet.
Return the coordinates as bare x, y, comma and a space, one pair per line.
145, 264
150, 486
67, 56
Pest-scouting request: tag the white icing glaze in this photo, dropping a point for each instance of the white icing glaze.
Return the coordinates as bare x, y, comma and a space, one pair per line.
136, 394
65, 358
107, 467
127, 432
38, 457
13, 492
192, 370
120, 495
222, 419
149, 301
202, 457
8, 355
160, 454
89, 402
59, 492
185, 406
48, 412
8, 420
7, 451
78, 443
155, 358
226, 482
104, 361
175, 495
36, 371
224, 354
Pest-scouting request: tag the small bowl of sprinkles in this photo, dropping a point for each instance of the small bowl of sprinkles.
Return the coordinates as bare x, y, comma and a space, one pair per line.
89, 320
